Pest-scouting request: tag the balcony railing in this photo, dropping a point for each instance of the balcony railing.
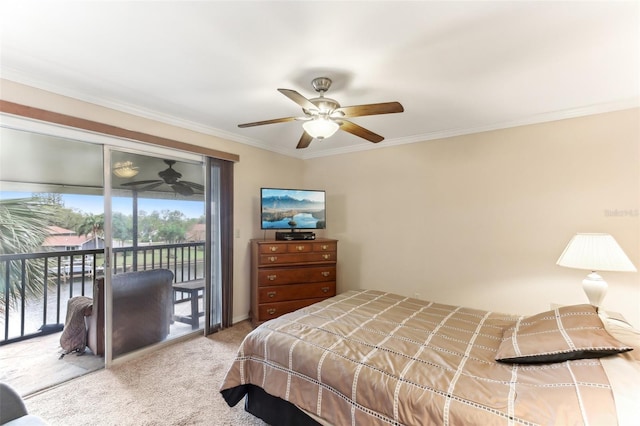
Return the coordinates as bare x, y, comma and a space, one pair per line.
71, 273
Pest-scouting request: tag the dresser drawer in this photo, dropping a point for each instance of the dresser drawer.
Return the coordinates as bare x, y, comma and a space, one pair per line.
280, 259
325, 246
300, 247
273, 248
268, 311
297, 247
281, 293
278, 276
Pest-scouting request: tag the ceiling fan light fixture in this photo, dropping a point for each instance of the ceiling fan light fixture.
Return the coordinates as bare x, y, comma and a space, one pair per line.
324, 116
320, 128
125, 169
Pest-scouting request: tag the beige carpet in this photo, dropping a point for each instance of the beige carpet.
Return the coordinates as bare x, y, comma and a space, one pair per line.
177, 385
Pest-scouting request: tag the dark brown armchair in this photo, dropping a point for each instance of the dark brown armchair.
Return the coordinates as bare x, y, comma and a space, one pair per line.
142, 311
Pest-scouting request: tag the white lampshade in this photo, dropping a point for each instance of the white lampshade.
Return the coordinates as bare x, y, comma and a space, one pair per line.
595, 252
320, 128
125, 169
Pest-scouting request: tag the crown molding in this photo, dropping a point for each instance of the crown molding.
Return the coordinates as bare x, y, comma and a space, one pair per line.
444, 134
16, 76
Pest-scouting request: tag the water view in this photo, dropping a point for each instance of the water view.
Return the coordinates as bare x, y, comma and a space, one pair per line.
302, 220
54, 311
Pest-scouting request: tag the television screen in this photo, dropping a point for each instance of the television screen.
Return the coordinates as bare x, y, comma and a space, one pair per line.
292, 208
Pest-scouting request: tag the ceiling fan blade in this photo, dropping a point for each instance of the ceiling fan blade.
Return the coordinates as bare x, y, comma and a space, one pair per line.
152, 186
360, 131
140, 182
371, 109
193, 185
298, 98
260, 123
182, 189
305, 140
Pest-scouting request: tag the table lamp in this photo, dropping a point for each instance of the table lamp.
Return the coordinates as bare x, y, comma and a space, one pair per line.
595, 252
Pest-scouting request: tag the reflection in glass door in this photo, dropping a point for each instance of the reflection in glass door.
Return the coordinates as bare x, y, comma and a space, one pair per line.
157, 250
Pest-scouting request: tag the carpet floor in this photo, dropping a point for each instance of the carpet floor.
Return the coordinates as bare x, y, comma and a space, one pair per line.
176, 385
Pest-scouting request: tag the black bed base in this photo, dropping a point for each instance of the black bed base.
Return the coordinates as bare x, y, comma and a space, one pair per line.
273, 410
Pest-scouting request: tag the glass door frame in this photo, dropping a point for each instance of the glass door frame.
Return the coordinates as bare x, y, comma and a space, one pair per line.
37, 120
157, 152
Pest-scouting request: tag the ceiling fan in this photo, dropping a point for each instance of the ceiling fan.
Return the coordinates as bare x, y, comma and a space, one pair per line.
324, 116
170, 177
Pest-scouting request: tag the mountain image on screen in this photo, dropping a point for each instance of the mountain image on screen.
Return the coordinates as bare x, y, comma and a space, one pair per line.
288, 212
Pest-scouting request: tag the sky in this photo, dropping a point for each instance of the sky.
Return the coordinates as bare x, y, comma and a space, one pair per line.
94, 204
299, 194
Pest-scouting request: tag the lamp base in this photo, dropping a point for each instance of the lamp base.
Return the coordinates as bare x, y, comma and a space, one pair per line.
595, 288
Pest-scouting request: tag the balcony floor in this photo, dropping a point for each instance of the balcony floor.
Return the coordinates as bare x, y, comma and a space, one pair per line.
35, 364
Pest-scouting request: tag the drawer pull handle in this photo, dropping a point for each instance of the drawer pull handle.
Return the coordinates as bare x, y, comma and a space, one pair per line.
326, 256
325, 247
273, 258
271, 294
273, 248
272, 277
325, 273
271, 311
300, 248
325, 289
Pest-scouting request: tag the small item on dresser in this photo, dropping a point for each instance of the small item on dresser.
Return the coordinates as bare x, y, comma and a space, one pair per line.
295, 236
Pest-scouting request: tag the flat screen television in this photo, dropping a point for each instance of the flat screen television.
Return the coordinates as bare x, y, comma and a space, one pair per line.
292, 209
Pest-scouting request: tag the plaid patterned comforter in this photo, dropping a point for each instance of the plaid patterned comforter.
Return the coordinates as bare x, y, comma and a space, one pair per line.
369, 357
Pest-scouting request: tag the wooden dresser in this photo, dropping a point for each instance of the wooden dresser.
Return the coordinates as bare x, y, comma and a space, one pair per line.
289, 275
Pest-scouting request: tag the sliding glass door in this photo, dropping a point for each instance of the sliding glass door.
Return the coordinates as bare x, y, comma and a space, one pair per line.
113, 207
157, 232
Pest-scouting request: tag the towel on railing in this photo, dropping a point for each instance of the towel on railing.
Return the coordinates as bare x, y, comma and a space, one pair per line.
74, 334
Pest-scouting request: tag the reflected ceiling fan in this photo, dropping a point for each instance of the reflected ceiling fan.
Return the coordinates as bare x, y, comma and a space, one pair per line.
170, 177
324, 116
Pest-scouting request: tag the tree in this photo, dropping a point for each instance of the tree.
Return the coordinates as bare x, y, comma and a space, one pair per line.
48, 198
148, 225
60, 215
67, 218
122, 227
173, 226
23, 228
91, 224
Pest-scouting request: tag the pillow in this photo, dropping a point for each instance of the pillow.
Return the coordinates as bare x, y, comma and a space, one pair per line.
565, 333
621, 330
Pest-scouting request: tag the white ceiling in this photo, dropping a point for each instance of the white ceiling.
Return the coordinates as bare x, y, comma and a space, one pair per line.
457, 67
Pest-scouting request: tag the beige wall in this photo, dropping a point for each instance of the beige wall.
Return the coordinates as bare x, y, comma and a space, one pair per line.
481, 220
478, 220
257, 168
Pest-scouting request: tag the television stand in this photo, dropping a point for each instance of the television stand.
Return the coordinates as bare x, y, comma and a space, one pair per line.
293, 236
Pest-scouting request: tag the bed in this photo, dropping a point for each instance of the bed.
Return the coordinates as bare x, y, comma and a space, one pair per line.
373, 358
